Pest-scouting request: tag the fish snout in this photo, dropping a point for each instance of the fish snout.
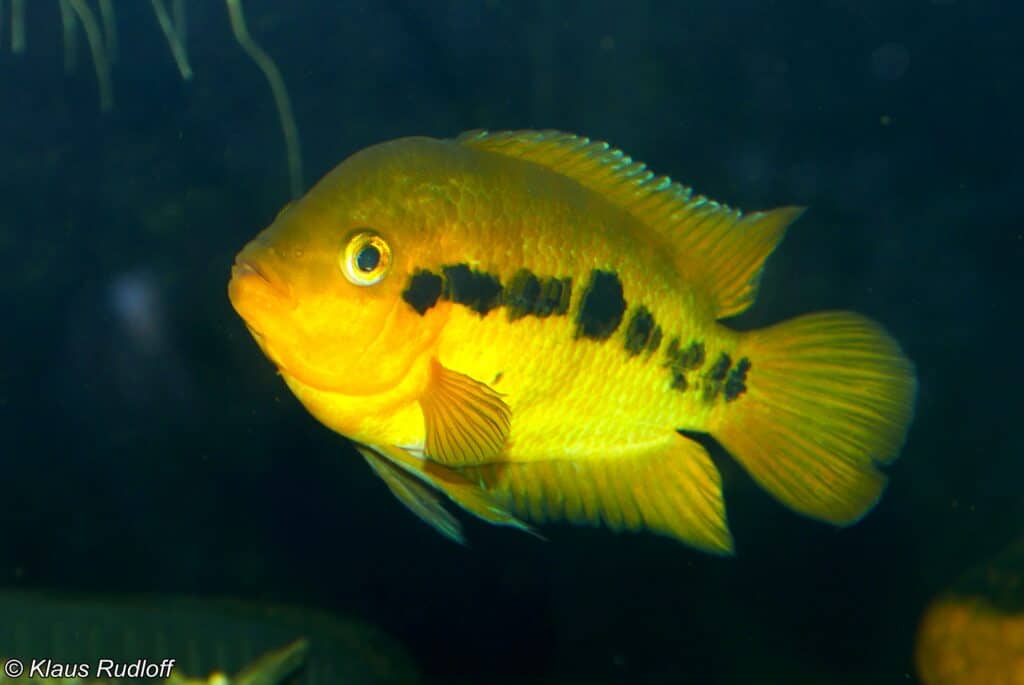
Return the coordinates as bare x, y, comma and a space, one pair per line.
256, 289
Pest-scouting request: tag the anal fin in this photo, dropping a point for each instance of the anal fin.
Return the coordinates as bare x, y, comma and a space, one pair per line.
674, 490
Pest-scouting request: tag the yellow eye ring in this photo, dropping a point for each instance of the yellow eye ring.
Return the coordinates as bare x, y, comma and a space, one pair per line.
366, 259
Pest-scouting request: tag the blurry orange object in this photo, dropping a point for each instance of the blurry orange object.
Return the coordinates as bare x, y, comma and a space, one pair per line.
974, 633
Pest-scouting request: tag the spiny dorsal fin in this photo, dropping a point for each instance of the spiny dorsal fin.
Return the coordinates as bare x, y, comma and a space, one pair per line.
720, 248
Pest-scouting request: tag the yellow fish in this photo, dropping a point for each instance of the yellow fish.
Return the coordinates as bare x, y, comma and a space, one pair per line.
523, 321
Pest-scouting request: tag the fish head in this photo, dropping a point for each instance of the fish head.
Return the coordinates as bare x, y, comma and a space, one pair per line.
321, 289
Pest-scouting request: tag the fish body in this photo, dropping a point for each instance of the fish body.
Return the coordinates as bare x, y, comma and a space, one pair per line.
524, 321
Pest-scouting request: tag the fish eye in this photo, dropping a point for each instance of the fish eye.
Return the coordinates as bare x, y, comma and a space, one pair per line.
366, 259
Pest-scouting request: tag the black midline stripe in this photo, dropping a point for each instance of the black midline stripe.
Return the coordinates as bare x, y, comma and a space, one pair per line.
525, 295
600, 313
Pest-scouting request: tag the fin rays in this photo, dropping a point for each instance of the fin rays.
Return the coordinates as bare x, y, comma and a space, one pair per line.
713, 244
408, 479
675, 491
467, 422
831, 395
419, 499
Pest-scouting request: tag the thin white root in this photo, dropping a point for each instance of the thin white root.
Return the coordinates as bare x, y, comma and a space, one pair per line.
173, 39
17, 26
277, 87
70, 36
109, 28
178, 15
99, 53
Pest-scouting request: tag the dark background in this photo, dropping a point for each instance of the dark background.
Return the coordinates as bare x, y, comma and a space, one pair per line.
147, 446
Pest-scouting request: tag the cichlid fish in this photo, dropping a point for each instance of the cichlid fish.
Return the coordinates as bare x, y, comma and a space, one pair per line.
524, 320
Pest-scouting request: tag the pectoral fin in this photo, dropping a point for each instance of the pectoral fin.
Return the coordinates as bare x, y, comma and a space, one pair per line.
467, 422
414, 494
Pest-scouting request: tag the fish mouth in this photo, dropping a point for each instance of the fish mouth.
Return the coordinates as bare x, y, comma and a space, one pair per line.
249, 270
257, 294
243, 268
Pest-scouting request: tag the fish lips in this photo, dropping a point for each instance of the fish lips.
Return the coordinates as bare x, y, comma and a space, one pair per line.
257, 294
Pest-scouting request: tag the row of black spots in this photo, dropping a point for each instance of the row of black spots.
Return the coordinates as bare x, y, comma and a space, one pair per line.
736, 383
601, 307
716, 375
643, 333
679, 360
478, 290
720, 368
525, 295
528, 295
655, 342
423, 291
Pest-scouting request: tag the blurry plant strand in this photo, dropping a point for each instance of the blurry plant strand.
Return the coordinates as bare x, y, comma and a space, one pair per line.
99, 52
101, 35
284, 106
175, 35
70, 36
17, 26
109, 28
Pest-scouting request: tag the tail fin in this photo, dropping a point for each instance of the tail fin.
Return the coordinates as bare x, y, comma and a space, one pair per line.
827, 397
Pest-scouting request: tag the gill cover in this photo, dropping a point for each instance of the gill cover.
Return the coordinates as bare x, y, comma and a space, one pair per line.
344, 257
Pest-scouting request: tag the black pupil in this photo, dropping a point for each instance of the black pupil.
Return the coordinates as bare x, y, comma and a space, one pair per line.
368, 258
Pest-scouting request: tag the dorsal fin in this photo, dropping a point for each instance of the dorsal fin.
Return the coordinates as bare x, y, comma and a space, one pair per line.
720, 248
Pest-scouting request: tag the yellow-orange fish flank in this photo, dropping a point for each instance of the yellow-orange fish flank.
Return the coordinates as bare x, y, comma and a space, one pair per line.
523, 321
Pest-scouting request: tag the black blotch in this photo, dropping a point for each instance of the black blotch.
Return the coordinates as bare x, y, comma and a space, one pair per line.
655, 341
720, 368
736, 384
554, 297
521, 294
693, 356
478, 290
497, 377
671, 352
640, 329
601, 307
683, 360
528, 295
715, 375
423, 291
679, 361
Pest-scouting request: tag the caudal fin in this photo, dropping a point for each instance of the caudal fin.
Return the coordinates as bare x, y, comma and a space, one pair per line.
828, 396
